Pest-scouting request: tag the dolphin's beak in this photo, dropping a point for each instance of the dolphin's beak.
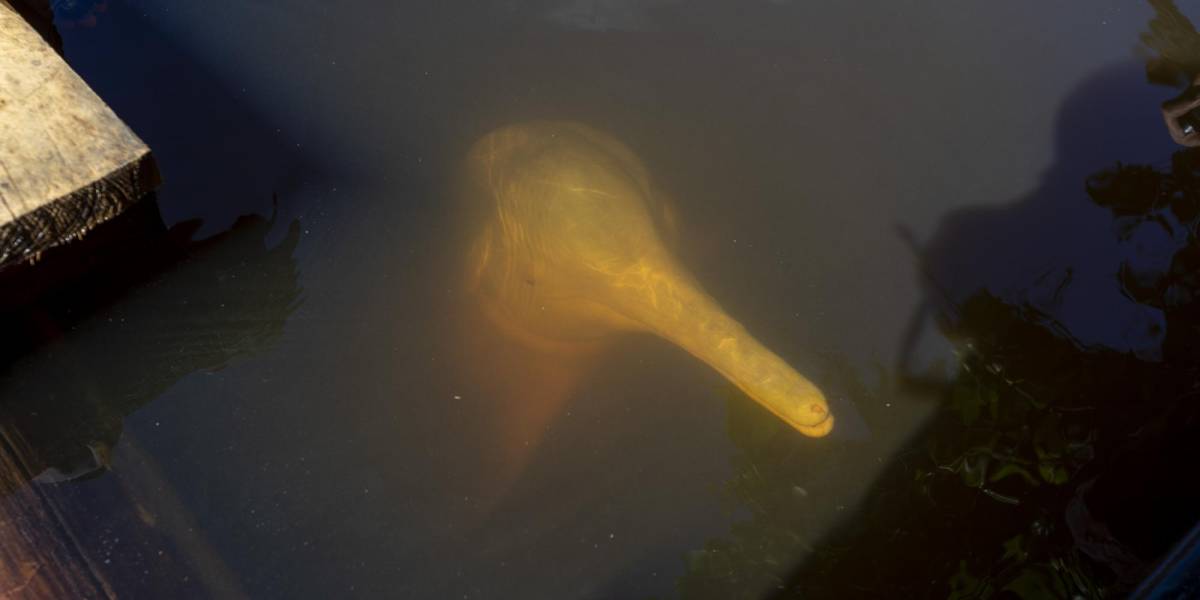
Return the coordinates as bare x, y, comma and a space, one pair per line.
664, 299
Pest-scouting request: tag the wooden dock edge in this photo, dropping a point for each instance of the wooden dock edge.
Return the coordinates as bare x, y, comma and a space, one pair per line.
67, 162
71, 216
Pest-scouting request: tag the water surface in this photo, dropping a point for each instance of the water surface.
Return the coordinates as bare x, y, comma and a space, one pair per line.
817, 153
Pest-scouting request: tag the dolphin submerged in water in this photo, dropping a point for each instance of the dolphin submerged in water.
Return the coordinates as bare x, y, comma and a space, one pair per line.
568, 251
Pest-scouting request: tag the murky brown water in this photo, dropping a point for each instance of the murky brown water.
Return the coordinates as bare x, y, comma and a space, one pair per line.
336, 421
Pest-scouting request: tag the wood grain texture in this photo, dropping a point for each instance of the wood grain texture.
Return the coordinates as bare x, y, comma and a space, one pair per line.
40, 557
67, 163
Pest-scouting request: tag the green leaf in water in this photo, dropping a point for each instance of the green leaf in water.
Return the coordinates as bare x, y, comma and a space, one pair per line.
1053, 473
1014, 469
1014, 548
1035, 582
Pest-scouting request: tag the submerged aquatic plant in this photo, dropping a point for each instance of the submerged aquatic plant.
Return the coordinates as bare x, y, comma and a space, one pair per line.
1174, 45
1048, 469
971, 507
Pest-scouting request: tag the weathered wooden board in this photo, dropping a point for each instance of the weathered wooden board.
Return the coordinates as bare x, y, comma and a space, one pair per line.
67, 163
40, 15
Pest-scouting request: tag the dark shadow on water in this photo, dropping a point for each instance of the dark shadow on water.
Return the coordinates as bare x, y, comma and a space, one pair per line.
187, 281
89, 352
219, 149
1057, 461
219, 297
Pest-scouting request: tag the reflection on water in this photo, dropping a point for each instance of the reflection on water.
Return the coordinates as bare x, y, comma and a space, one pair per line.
237, 298
98, 331
1052, 465
226, 297
368, 451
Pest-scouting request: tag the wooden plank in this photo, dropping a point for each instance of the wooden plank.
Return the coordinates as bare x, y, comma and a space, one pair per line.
67, 163
40, 558
40, 15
